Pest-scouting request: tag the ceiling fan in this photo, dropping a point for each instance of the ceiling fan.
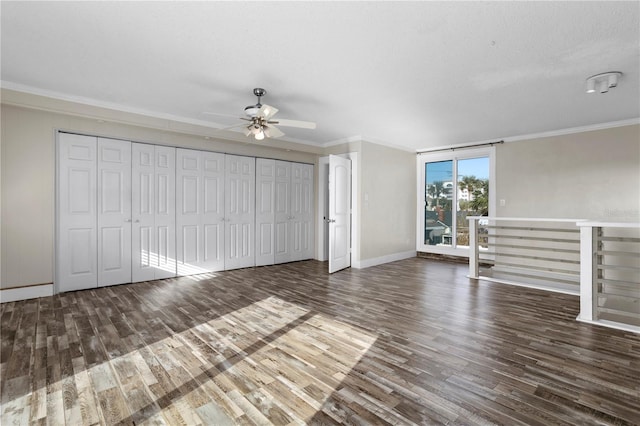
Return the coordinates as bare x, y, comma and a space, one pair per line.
260, 123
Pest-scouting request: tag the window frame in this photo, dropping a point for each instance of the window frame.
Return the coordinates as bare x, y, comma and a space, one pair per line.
454, 156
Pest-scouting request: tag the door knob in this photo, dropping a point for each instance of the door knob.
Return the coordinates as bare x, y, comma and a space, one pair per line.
331, 220
137, 220
127, 220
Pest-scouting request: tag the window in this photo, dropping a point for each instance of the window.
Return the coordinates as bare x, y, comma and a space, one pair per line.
452, 186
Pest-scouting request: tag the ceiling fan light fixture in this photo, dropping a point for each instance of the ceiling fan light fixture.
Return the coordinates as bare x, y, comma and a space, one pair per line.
259, 135
252, 110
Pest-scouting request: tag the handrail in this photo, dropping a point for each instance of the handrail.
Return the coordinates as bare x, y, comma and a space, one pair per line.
607, 281
609, 224
607, 273
526, 219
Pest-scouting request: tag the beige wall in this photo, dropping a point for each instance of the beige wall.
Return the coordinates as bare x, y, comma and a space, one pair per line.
386, 193
387, 201
589, 175
28, 185
592, 175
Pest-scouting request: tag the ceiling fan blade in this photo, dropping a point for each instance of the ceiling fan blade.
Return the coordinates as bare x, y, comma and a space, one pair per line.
266, 112
272, 131
220, 115
296, 123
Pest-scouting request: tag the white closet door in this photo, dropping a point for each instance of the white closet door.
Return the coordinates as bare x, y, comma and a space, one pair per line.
143, 242
164, 261
114, 212
282, 236
188, 208
265, 215
213, 214
240, 181
301, 234
200, 211
76, 250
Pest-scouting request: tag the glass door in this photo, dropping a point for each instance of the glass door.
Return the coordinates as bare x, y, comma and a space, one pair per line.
452, 186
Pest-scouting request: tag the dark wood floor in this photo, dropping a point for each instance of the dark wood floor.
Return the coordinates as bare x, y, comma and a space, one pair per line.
410, 342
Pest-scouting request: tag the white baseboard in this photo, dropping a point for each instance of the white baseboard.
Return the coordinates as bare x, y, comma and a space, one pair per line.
611, 324
23, 293
382, 259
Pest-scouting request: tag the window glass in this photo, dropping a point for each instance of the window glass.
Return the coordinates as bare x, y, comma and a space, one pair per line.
438, 203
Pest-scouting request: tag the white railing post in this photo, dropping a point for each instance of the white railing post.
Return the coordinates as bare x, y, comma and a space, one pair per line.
474, 270
588, 281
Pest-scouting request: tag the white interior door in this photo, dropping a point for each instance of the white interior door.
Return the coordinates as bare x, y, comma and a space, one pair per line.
76, 250
282, 230
339, 213
265, 214
114, 212
239, 193
301, 219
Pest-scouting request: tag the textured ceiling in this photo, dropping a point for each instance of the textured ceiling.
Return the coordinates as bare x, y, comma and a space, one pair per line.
415, 74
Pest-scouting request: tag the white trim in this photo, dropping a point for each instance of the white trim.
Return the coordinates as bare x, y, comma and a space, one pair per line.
383, 259
610, 324
421, 160
354, 138
610, 224
360, 138
233, 135
548, 134
552, 289
323, 178
571, 130
321, 225
24, 293
527, 219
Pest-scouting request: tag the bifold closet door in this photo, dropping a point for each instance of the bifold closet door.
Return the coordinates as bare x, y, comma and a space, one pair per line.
265, 214
200, 215
239, 201
302, 235
76, 247
114, 212
282, 237
153, 213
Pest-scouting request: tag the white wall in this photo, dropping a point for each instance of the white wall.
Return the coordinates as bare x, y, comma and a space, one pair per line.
28, 170
591, 175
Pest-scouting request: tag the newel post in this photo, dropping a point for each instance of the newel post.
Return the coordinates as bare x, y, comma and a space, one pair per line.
588, 282
473, 248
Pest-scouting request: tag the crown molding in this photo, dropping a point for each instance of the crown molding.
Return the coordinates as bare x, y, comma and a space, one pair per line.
46, 100
572, 130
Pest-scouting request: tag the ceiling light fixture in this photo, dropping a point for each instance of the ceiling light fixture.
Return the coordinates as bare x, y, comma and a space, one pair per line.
604, 81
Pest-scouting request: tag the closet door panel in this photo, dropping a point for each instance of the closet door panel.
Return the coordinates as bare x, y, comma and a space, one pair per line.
165, 212
213, 211
200, 216
265, 211
188, 202
76, 246
283, 251
302, 211
114, 212
144, 253
239, 211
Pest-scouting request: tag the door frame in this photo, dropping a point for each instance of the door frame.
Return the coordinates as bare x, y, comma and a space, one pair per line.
322, 244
